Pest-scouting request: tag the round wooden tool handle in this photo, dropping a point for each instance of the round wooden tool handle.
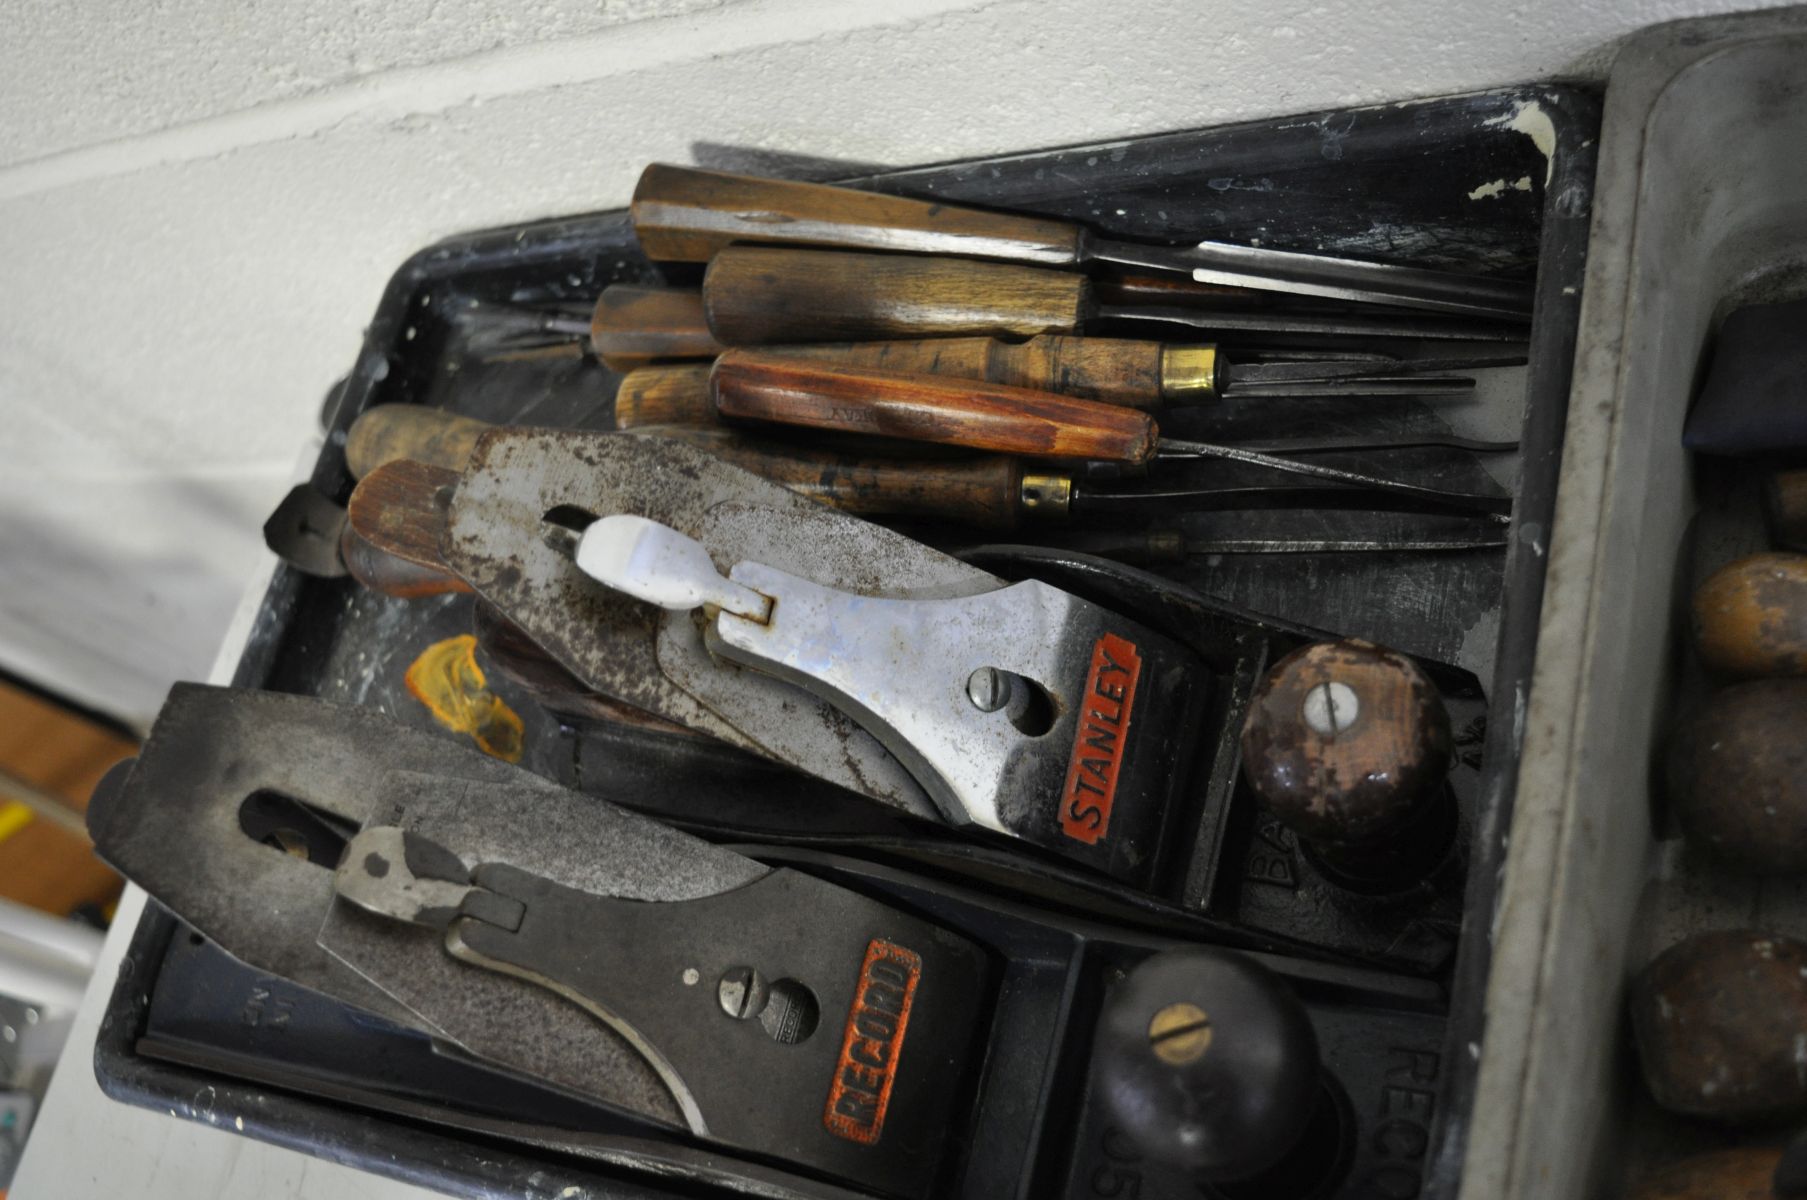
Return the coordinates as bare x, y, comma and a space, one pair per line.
1738, 775
749, 385
980, 492
686, 215
1717, 1018
633, 326
392, 432
665, 396
1110, 370
755, 296
393, 523
1750, 616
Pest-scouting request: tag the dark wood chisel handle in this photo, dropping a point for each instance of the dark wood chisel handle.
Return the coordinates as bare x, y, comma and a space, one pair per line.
754, 296
685, 215
665, 396
633, 326
392, 529
395, 516
749, 385
985, 493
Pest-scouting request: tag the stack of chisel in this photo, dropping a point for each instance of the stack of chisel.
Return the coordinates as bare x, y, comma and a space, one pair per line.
908, 360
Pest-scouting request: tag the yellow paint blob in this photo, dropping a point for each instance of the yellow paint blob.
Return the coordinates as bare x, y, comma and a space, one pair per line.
447, 679
13, 817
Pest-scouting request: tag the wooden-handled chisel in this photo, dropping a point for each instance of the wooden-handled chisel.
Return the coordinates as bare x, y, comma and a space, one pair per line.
687, 215
661, 397
757, 295
989, 492
755, 386
633, 326
1138, 373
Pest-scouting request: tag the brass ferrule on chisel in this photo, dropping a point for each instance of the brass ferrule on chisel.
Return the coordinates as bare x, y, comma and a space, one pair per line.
1046, 495
1189, 372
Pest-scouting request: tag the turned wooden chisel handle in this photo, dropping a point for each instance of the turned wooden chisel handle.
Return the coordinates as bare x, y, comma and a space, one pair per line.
755, 386
685, 215
391, 432
665, 396
986, 492
1138, 374
754, 296
633, 326
395, 515
392, 529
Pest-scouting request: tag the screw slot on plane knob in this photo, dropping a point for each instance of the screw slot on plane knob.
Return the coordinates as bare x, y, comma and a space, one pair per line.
1348, 743
1207, 1062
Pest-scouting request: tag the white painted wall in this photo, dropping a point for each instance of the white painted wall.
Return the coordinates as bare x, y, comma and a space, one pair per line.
200, 201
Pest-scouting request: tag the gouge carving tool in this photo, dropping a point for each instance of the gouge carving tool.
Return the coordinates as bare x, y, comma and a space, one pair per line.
689, 215
555, 934
393, 511
1140, 374
1023, 710
755, 294
680, 395
1164, 546
765, 387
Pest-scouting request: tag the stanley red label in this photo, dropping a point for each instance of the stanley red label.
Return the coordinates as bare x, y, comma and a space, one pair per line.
873, 1043
1110, 693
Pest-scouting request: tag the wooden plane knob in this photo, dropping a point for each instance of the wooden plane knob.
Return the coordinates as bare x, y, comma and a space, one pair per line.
1719, 1020
1348, 744
1738, 775
1750, 616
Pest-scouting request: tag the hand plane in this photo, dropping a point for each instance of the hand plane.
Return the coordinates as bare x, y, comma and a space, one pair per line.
761, 1009
905, 675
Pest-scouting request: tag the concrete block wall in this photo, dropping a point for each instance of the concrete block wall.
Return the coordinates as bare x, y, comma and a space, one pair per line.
200, 201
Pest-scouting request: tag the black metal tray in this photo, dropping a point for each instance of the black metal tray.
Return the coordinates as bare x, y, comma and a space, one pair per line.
1394, 181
